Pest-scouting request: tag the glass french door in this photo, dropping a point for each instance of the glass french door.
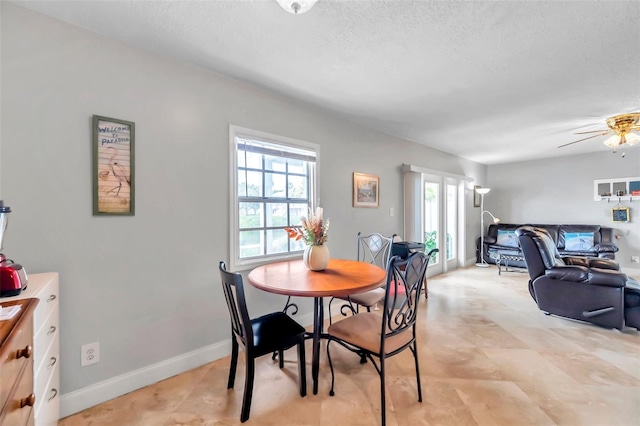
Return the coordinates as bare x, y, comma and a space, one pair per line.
451, 224
440, 222
431, 223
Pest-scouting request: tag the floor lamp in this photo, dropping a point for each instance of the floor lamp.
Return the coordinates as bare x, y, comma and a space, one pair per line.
482, 192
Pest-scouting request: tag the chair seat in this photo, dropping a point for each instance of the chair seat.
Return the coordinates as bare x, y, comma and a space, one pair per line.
366, 298
364, 330
274, 331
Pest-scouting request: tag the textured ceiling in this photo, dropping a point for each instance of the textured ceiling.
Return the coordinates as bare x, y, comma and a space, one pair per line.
492, 81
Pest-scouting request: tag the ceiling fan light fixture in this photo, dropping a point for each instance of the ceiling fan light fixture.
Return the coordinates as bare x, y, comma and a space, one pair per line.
623, 122
296, 6
622, 127
614, 141
621, 139
632, 138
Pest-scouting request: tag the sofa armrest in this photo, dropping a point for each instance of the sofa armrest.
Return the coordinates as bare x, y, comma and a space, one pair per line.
488, 240
607, 277
568, 273
606, 248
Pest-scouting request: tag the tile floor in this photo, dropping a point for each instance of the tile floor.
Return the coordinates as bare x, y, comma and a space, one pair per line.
488, 356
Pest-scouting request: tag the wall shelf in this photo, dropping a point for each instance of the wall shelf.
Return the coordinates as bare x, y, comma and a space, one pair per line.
607, 189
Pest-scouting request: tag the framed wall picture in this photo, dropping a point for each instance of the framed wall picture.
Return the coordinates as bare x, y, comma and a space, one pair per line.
366, 190
620, 214
113, 143
476, 196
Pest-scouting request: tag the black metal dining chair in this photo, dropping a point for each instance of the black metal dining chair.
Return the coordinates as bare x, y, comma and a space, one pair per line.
274, 332
375, 249
371, 334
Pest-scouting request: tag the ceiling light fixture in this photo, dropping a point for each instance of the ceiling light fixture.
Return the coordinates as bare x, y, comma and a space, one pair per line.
616, 140
621, 127
296, 6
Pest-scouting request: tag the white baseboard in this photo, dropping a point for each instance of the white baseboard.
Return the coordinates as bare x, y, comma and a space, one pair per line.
470, 262
81, 399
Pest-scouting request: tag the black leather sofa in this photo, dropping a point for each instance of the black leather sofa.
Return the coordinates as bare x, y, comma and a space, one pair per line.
583, 288
570, 240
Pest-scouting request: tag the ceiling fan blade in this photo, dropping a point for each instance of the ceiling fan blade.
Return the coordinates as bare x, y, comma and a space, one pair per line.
591, 131
584, 139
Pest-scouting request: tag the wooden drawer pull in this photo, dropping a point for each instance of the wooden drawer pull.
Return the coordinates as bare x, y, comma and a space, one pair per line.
53, 362
52, 329
54, 393
30, 401
51, 298
26, 352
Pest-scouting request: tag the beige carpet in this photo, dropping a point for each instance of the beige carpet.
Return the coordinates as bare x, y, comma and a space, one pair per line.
488, 356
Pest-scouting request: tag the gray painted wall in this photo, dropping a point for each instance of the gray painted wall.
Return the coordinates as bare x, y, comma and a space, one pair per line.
560, 190
146, 287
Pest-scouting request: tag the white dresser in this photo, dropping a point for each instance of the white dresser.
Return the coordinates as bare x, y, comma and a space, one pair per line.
46, 345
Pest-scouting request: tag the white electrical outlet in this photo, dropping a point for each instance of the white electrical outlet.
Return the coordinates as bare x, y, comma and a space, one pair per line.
635, 259
89, 354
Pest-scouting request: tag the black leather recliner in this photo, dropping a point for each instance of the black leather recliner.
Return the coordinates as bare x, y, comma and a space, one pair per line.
583, 288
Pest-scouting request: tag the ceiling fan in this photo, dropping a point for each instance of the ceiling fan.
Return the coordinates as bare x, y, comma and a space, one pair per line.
621, 125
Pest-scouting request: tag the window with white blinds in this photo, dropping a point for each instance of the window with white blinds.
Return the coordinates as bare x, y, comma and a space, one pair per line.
274, 185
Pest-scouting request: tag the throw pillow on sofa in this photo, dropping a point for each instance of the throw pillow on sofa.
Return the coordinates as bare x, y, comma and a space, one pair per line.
507, 238
578, 241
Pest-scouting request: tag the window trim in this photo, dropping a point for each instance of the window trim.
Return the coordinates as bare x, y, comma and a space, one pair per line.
235, 263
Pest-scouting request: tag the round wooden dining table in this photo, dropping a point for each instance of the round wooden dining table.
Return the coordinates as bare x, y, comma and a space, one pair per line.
341, 278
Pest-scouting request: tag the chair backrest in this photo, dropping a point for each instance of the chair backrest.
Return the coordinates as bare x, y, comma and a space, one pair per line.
236, 302
404, 285
374, 248
539, 250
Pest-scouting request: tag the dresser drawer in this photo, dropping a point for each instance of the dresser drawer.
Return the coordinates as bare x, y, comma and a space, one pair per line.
16, 351
44, 373
43, 339
48, 403
19, 406
48, 296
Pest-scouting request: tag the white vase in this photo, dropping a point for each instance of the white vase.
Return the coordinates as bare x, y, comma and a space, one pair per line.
316, 258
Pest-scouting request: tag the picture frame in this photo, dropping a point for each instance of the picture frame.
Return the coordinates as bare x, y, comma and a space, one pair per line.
366, 190
476, 196
113, 152
620, 214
